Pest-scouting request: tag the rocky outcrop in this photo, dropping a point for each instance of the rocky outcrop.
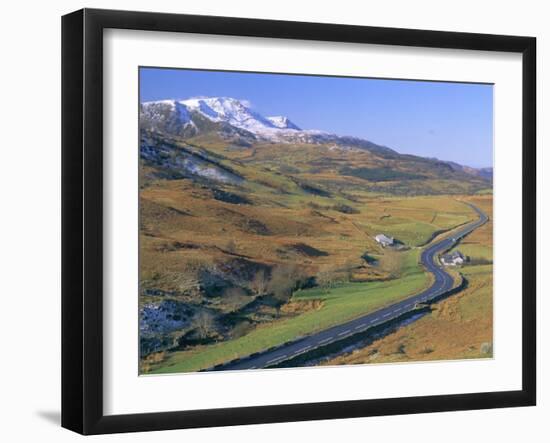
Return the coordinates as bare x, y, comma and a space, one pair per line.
159, 320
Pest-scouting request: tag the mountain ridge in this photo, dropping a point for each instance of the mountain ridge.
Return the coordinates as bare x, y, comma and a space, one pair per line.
234, 120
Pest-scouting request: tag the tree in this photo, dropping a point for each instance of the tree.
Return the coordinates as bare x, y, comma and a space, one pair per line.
260, 282
241, 329
204, 324
234, 298
325, 280
283, 281
296, 275
348, 268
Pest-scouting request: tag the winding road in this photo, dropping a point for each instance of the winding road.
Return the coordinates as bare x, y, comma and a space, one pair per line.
442, 283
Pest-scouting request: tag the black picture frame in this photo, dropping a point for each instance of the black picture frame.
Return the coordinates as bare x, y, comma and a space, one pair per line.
82, 219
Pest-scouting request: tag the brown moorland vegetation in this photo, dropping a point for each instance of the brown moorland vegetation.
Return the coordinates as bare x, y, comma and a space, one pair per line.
459, 327
222, 253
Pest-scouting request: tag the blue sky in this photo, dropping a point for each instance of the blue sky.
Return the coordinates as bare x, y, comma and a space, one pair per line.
450, 121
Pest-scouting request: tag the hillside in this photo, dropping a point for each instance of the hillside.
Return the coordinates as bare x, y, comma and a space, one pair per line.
238, 211
228, 128
459, 327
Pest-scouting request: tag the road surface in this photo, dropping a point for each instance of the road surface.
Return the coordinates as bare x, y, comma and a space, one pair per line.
443, 282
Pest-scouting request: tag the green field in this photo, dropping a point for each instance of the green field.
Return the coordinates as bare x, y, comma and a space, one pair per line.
459, 327
476, 251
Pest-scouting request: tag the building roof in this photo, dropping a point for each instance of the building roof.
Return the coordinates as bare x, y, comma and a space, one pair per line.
452, 256
384, 238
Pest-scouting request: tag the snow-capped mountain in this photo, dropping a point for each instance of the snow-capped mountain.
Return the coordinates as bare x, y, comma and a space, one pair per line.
226, 110
282, 122
164, 124
231, 111
234, 119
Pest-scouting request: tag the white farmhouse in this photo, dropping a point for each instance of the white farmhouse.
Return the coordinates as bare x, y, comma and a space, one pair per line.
453, 259
384, 240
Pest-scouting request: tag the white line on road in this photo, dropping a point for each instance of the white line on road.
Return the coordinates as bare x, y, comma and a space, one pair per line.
326, 340
347, 331
387, 315
302, 350
359, 327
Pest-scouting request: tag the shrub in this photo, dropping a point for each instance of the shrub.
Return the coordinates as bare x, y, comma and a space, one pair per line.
380, 174
345, 209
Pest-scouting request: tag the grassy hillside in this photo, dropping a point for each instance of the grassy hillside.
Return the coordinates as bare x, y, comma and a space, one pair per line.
326, 307
245, 247
459, 327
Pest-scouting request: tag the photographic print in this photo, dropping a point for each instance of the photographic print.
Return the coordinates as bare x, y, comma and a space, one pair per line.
300, 220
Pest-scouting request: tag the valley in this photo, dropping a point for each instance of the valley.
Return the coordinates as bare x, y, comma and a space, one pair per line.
254, 232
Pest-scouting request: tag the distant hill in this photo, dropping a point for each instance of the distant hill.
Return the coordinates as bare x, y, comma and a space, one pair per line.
486, 173
187, 138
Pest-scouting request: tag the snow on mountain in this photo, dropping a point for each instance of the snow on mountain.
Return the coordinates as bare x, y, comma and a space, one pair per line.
166, 116
282, 123
229, 110
217, 109
234, 121
183, 113
187, 117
